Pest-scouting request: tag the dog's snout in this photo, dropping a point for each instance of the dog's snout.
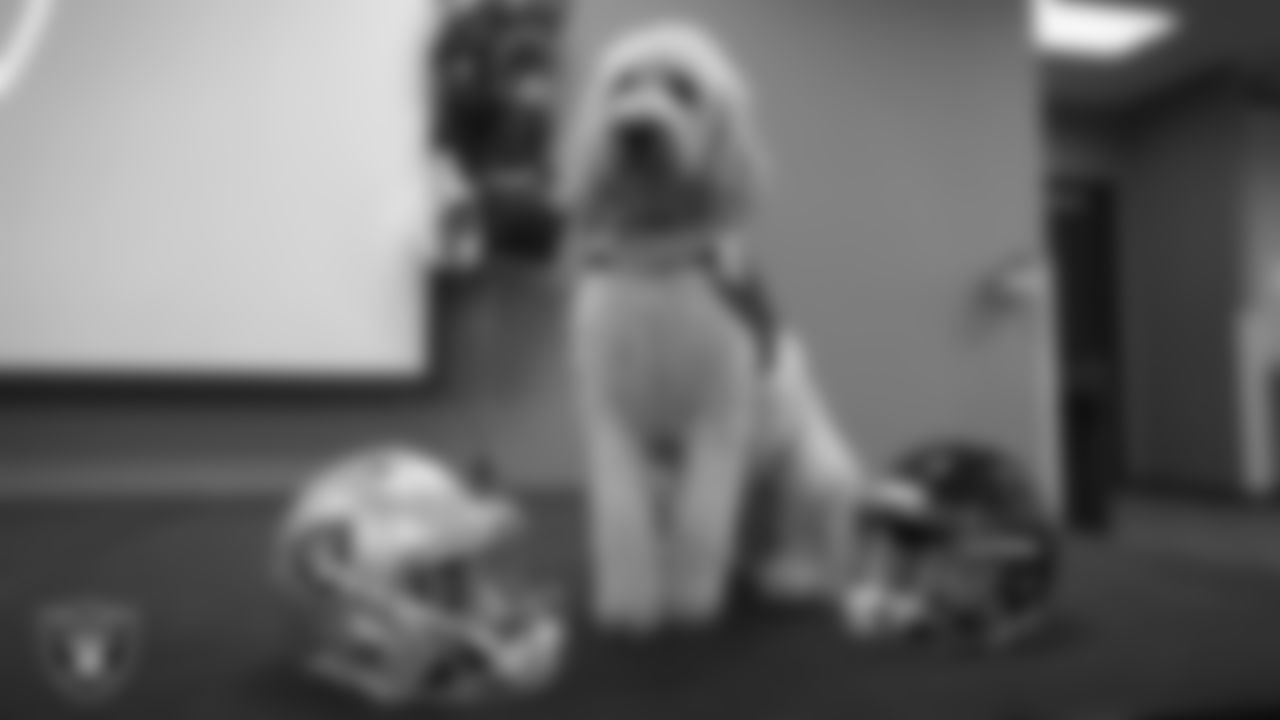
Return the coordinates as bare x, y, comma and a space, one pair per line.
639, 137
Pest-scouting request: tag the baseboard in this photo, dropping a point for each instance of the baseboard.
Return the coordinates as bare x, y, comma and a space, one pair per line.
1220, 491
180, 480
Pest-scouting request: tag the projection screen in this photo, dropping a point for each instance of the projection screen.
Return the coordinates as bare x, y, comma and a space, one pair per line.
214, 187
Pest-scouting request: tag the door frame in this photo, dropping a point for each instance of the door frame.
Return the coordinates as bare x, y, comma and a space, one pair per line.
1087, 502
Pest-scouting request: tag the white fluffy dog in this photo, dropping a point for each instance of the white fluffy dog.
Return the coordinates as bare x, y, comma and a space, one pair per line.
693, 399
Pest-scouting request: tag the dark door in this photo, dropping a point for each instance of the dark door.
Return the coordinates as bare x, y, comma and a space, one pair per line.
1083, 238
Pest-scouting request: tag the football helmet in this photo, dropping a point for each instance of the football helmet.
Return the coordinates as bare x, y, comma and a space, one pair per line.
389, 558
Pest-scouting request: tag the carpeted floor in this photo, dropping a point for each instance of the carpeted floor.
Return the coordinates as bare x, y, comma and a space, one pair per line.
1140, 631
1245, 535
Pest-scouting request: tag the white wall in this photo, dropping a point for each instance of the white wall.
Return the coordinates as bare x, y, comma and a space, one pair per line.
202, 186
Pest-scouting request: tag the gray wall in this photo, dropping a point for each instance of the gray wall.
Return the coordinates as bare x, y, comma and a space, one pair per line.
1182, 229
908, 162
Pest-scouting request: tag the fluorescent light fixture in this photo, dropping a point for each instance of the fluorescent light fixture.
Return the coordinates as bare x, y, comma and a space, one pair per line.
22, 45
1099, 30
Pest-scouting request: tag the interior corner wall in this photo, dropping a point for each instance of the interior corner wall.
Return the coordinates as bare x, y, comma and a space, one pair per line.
908, 164
1261, 134
1259, 262
1182, 230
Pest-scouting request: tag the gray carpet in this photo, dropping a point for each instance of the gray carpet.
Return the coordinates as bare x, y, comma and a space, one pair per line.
1141, 630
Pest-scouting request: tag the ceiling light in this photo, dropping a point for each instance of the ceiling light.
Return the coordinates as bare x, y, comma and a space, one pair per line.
32, 25
1099, 30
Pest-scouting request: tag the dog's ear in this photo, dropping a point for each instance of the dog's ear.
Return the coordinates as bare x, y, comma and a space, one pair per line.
573, 169
579, 147
739, 164
578, 167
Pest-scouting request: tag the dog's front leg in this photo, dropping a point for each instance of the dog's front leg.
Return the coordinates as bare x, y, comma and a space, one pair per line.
626, 581
707, 511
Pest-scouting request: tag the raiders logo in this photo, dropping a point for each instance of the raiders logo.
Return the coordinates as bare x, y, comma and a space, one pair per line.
88, 648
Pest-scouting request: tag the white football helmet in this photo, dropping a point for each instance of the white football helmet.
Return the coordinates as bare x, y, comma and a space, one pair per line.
386, 555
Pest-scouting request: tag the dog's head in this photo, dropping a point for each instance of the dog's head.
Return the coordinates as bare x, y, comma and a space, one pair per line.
663, 137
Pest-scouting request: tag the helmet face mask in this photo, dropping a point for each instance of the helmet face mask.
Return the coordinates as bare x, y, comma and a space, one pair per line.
437, 608
451, 587
980, 561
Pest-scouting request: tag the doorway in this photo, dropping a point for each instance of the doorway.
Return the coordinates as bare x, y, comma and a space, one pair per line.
1083, 242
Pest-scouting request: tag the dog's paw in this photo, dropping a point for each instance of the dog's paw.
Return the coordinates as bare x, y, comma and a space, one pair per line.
695, 613
872, 611
793, 577
627, 602
631, 624
628, 615
696, 599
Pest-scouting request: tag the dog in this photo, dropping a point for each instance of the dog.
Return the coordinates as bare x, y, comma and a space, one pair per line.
699, 406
